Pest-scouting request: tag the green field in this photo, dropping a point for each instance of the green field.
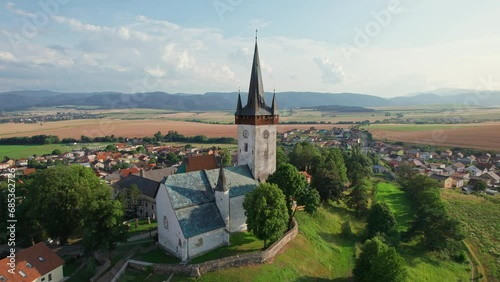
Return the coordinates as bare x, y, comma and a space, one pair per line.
24, 151
202, 145
480, 216
397, 201
422, 266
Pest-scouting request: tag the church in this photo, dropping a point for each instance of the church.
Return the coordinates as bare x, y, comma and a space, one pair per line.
197, 211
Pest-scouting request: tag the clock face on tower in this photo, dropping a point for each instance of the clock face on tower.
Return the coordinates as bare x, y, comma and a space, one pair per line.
266, 134
245, 133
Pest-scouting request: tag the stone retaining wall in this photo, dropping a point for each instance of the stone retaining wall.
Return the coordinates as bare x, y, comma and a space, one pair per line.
196, 270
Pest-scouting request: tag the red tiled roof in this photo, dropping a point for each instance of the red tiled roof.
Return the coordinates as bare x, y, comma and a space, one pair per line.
200, 162
28, 171
127, 171
38, 268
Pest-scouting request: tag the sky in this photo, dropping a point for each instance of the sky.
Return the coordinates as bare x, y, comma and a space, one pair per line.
380, 47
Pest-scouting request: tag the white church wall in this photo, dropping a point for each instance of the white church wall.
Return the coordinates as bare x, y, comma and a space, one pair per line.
170, 235
265, 151
222, 201
238, 219
207, 241
248, 143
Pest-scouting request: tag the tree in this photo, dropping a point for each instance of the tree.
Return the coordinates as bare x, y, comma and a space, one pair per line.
226, 157
104, 227
130, 199
293, 184
480, 186
56, 152
380, 220
281, 156
379, 262
302, 155
110, 148
158, 136
59, 197
266, 212
328, 184
358, 164
358, 199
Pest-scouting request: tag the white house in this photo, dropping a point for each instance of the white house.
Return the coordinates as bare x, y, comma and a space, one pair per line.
36, 263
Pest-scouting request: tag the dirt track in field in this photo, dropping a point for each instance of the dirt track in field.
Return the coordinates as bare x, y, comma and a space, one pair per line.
481, 136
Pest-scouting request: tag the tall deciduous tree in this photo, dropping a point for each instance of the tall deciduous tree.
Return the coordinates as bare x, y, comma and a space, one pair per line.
358, 198
60, 198
379, 262
380, 219
358, 164
266, 212
295, 188
281, 156
328, 184
226, 157
103, 224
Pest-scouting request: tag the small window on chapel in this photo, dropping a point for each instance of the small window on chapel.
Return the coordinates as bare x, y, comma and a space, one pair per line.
246, 147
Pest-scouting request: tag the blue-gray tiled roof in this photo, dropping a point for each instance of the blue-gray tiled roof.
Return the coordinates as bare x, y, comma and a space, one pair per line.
239, 180
199, 219
192, 196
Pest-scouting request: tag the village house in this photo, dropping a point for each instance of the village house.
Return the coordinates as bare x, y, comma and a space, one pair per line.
36, 263
148, 188
444, 181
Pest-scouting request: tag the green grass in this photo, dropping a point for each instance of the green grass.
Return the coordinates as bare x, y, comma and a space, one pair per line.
480, 218
144, 226
70, 266
422, 266
241, 242
156, 256
24, 151
318, 252
133, 275
83, 275
397, 201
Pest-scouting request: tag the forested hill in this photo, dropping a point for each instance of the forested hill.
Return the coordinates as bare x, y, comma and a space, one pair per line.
22, 100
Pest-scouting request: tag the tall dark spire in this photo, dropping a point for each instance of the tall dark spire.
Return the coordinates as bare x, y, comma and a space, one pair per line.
238, 106
221, 183
256, 89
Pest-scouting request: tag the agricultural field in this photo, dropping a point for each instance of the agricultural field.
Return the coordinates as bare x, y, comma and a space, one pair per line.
22, 151
480, 136
130, 128
480, 215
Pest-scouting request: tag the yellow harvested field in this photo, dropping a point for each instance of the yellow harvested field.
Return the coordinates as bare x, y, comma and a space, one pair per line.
130, 128
481, 136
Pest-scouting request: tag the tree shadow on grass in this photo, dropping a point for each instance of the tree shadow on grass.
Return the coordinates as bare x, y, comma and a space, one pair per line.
338, 239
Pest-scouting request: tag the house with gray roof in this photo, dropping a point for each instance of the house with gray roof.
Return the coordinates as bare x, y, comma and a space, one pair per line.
198, 210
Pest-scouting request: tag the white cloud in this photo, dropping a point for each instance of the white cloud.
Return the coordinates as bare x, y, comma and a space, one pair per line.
331, 72
12, 7
155, 72
7, 56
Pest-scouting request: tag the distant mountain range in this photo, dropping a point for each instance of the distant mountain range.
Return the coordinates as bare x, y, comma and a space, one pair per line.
23, 100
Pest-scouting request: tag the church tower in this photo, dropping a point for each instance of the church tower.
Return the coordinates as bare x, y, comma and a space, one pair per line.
257, 126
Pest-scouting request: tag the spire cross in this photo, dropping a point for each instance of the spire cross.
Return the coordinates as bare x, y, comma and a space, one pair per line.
256, 31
